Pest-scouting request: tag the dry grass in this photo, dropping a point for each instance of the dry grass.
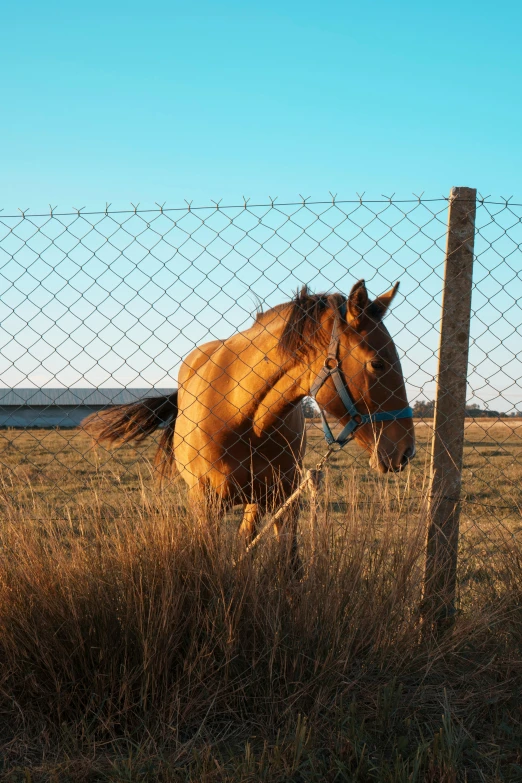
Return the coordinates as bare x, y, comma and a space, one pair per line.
132, 650
62, 468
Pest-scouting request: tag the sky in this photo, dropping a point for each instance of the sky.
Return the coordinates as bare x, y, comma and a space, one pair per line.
119, 103
130, 101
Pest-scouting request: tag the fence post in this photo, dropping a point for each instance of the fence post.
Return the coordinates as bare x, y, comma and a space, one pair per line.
450, 412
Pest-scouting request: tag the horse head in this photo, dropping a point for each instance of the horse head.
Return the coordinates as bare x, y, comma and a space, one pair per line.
370, 366
354, 371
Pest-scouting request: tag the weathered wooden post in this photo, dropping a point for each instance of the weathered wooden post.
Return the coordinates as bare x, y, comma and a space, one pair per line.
450, 412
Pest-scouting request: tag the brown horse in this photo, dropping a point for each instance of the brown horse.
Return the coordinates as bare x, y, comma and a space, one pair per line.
235, 428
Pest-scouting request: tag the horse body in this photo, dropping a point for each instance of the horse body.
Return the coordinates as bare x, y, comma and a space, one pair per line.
240, 429
235, 427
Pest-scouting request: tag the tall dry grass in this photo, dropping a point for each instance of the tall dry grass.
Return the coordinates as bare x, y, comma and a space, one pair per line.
131, 648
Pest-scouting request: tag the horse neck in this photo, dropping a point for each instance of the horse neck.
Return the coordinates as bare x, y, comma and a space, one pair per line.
281, 381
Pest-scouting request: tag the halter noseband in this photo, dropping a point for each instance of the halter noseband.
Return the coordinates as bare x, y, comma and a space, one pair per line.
331, 370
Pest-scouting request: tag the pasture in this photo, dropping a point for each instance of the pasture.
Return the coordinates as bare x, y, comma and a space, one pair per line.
57, 473
131, 649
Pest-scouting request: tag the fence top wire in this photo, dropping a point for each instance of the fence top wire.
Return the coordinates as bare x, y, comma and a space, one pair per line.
271, 203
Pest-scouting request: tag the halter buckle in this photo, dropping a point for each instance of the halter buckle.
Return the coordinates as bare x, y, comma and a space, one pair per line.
331, 363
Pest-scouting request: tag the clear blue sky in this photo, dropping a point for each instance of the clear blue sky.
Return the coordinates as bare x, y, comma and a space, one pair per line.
133, 101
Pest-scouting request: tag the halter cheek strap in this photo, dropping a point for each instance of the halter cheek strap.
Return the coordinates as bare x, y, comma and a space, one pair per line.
331, 370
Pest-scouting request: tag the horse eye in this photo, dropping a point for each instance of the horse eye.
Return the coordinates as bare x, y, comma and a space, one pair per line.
377, 365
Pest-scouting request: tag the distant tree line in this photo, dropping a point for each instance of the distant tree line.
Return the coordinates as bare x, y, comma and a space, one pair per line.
310, 408
425, 409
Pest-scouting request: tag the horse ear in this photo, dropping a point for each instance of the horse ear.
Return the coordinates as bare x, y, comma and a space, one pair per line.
358, 301
381, 304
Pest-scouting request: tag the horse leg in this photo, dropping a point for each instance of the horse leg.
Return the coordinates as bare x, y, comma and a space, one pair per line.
286, 532
248, 528
206, 506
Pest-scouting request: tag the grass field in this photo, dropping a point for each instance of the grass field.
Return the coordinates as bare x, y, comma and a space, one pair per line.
131, 649
58, 472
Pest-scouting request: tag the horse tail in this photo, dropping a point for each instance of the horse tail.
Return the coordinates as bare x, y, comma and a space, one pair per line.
135, 422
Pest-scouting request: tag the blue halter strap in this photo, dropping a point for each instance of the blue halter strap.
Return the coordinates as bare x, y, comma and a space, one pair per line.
331, 370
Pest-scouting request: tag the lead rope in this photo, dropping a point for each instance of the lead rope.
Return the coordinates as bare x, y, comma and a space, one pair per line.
312, 481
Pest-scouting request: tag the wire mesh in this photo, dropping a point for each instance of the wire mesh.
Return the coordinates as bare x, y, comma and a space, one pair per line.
101, 308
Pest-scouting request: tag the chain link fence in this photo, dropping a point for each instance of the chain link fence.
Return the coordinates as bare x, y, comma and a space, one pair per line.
101, 308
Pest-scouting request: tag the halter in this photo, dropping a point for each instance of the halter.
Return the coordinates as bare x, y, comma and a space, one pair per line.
331, 370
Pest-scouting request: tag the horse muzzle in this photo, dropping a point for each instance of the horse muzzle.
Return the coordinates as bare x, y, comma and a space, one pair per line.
394, 463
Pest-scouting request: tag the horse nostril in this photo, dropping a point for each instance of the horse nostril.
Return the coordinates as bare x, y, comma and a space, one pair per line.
408, 454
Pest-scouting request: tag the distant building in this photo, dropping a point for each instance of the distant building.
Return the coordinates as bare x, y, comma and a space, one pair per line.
67, 408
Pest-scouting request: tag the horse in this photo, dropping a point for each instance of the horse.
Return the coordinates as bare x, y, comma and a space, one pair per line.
235, 428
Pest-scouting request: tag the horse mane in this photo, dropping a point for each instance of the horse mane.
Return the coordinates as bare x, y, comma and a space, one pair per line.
303, 330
